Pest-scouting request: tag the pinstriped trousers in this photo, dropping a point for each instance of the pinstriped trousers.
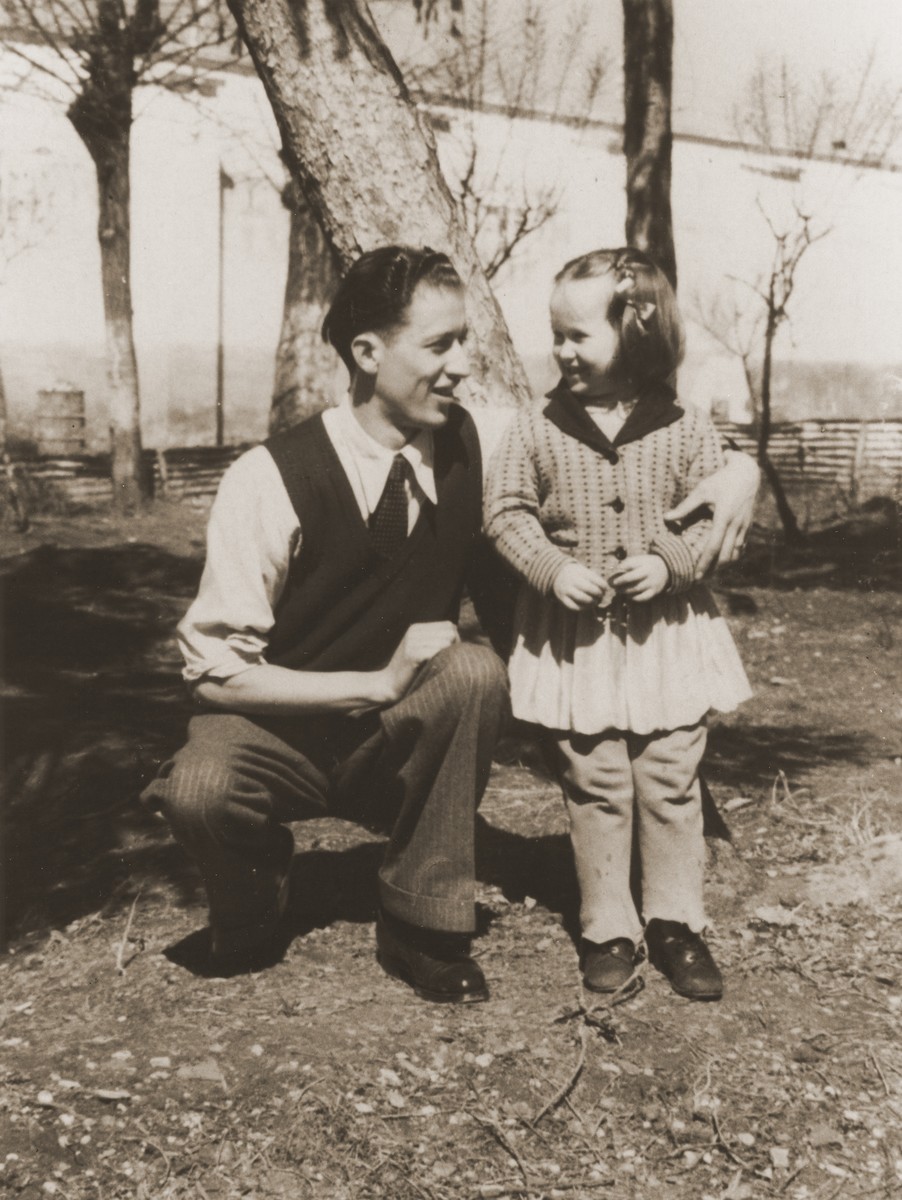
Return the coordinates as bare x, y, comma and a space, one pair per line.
416, 770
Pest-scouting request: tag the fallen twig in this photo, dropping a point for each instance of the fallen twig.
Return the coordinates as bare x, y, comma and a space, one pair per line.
494, 1191
789, 1178
722, 1143
796, 968
148, 1141
379, 1166
780, 777
505, 1143
876, 1061
579, 1116
692, 1147
429, 1195
120, 949
500, 1136
571, 1081
306, 1088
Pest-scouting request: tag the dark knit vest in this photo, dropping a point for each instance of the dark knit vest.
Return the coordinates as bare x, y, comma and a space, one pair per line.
345, 607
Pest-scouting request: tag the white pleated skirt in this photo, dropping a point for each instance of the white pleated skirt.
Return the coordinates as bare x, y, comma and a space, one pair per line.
645, 667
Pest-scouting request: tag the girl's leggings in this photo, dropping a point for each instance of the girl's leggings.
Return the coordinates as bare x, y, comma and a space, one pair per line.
612, 780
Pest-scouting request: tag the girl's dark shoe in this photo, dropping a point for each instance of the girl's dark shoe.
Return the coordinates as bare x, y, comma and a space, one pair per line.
607, 966
684, 958
437, 966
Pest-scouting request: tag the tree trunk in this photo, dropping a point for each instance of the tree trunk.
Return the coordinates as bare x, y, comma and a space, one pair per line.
129, 484
3, 413
305, 366
15, 501
365, 158
647, 136
791, 530
102, 117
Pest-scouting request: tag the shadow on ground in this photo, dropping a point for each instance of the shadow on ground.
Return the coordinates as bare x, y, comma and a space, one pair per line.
739, 755
750, 756
94, 702
861, 550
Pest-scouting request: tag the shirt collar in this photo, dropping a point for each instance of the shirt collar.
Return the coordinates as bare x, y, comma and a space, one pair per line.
377, 459
656, 407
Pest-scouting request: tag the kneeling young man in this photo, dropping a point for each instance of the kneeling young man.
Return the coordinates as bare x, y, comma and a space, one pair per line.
323, 647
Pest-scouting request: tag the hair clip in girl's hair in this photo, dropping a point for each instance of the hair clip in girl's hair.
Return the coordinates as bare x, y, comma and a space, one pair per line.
643, 311
625, 289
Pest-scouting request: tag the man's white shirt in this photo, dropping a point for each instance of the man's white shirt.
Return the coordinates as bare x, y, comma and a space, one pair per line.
254, 533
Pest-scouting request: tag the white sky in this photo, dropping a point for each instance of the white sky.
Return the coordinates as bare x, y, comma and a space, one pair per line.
717, 43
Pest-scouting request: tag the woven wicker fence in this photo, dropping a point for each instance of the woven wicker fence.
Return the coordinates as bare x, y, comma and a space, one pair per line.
856, 459
84, 479
852, 459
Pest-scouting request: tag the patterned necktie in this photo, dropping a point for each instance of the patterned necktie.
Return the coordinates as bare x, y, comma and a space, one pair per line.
388, 524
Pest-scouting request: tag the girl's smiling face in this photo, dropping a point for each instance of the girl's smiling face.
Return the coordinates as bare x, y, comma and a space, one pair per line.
586, 345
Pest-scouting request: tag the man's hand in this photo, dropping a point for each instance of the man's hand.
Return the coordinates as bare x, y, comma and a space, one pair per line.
731, 492
419, 644
640, 577
577, 587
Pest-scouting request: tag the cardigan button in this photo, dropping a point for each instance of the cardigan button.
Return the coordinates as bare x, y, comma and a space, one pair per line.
618, 505
620, 554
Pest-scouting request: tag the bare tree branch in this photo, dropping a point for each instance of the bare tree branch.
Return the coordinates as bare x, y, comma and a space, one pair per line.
780, 114
42, 70
36, 23
521, 65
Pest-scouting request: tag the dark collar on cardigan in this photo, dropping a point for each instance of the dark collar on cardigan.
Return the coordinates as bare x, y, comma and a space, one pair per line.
655, 407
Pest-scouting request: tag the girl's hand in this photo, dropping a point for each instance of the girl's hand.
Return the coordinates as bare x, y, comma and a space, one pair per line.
577, 587
641, 576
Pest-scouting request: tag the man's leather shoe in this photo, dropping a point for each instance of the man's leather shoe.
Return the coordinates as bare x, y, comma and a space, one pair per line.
261, 946
270, 950
437, 966
684, 958
608, 965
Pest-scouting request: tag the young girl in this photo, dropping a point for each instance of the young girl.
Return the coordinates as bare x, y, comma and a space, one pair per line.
618, 652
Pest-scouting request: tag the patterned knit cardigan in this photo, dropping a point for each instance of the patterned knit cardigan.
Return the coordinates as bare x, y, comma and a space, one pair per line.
558, 489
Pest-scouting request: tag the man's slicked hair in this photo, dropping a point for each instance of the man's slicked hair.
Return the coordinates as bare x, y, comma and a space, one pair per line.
376, 291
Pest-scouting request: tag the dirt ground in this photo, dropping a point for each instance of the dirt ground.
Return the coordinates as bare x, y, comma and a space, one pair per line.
123, 1074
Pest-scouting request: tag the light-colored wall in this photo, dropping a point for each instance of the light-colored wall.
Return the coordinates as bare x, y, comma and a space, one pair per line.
841, 354
51, 308
844, 341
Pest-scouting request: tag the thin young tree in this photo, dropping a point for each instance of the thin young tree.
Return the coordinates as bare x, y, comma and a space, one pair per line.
824, 118
96, 53
647, 133
858, 123
364, 158
751, 335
